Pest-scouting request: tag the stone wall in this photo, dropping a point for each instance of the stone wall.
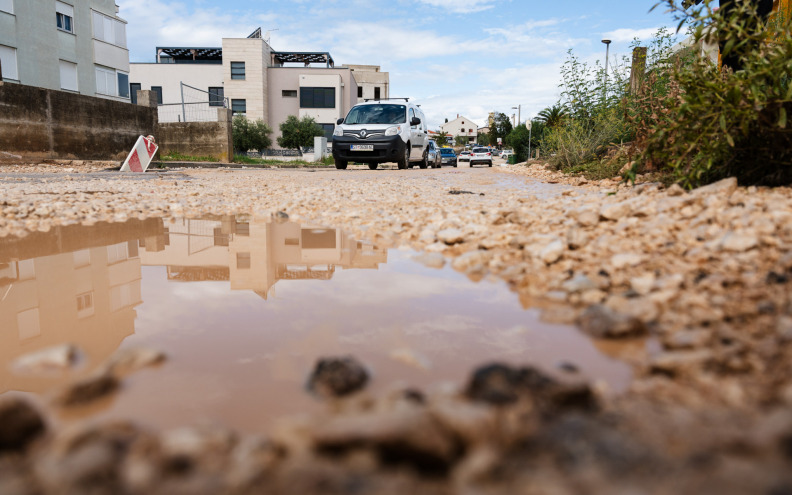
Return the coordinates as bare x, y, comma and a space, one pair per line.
37, 123
198, 139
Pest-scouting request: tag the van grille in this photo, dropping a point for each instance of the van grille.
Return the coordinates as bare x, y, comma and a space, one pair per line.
369, 134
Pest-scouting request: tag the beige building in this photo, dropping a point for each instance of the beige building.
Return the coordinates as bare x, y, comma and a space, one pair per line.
372, 83
252, 79
70, 45
461, 126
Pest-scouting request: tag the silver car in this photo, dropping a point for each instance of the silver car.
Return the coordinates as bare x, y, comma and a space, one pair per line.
433, 155
481, 155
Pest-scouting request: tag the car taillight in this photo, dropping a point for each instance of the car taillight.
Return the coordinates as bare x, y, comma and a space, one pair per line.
489, 154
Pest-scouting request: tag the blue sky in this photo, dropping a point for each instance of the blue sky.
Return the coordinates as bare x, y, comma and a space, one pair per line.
467, 57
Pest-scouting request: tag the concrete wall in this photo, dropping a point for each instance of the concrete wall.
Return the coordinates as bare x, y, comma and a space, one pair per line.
40, 123
198, 138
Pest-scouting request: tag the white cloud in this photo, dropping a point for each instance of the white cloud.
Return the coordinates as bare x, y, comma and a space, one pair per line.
461, 6
627, 34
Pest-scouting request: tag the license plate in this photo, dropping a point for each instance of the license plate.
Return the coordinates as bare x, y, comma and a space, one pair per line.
361, 147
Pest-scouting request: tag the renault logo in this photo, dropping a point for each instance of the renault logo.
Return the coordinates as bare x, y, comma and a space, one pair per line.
363, 134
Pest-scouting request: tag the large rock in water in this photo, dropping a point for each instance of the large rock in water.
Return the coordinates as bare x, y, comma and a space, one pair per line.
20, 424
336, 377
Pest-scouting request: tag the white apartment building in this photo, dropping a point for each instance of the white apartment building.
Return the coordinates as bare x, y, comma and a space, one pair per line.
461, 126
70, 45
254, 80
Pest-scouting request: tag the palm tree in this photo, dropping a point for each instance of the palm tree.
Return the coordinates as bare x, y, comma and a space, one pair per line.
553, 116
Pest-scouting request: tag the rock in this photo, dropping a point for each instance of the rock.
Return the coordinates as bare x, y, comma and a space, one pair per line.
337, 377
622, 260
576, 238
599, 321
738, 241
616, 211
450, 236
675, 190
131, 360
496, 384
586, 216
469, 261
723, 188
20, 424
687, 339
552, 252
579, 283
784, 328
643, 285
59, 358
676, 362
89, 389
431, 260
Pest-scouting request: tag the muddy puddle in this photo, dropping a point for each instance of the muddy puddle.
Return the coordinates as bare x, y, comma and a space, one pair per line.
243, 308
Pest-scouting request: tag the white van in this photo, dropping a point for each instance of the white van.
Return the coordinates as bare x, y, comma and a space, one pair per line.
381, 131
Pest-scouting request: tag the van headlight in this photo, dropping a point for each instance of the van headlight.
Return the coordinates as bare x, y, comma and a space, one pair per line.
339, 131
393, 131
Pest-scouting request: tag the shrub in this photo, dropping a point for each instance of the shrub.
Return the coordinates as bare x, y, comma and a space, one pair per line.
248, 135
298, 133
583, 141
723, 123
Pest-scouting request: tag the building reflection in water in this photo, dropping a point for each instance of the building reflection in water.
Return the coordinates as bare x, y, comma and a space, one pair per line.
80, 285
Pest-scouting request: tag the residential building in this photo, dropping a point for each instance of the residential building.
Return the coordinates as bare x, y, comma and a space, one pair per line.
71, 45
461, 126
372, 83
252, 79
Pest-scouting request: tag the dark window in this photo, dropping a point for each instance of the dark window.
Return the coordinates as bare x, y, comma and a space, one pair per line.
123, 84
289, 93
376, 93
238, 107
216, 96
360, 91
328, 130
237, 70
317, 97
242, 229
133, 89
64, 22
158, 90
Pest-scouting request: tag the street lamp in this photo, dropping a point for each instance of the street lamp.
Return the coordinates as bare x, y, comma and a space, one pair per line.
529, 124
607, 53
518, 107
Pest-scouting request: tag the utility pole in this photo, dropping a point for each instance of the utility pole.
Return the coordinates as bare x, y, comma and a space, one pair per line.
607, 54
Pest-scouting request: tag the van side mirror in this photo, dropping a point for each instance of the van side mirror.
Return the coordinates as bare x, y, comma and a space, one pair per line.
415, 121
340, 121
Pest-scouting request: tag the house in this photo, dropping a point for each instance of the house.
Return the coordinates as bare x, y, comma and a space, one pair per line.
72, 45
461, 126
372, 83
252, 79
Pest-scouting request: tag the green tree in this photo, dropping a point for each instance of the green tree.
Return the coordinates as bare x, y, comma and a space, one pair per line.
249, 135
298, 133
442, 138
484, 140
518, 140
500, 128
461, 140
553, 116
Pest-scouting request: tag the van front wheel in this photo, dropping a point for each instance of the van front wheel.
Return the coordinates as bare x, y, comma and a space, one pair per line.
404, 160
341, 164
373, 165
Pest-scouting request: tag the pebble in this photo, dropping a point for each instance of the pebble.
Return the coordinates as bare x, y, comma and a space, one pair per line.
337, 377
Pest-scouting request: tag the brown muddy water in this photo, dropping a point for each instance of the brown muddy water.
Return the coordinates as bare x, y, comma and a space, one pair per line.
244, 308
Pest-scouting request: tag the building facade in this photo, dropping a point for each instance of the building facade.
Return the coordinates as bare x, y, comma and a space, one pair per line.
372, 83
70, 45
252, 79
461, 126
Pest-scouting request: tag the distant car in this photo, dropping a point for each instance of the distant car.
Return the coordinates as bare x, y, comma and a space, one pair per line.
505, 154
481, 155
433, 155
464, 156
448, 157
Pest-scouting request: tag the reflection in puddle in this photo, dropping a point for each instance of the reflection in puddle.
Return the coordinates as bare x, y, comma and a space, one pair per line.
240, 356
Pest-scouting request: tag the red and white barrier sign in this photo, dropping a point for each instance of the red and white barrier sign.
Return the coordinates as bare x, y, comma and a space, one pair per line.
141, 155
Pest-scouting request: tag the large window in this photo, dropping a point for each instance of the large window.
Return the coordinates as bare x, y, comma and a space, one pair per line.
377, 93
123, 84
289, 93
64, 16
68, 75
8, 63
158, 91
317, 97
109, 30
216, 96
7, 6
133, 89
112, 82
237, 70
238, 107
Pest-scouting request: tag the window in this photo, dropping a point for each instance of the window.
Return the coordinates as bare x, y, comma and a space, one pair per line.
123, 84
376, 93
238, 107
82, 258
26, 269
109, 30
106, 81
8, 63
243, 261
289, 93
317, 97
360, 91
237, 70
133, 89
7, 6
64, 16
68, 75
158, 91
216, 96
117, 252
85, 305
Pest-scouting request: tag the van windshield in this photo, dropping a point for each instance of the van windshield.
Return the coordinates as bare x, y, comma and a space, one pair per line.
377, 114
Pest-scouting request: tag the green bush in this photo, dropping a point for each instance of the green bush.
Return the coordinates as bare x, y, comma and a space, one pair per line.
723, 123
298, 133
583, 141
248, 135
517, 140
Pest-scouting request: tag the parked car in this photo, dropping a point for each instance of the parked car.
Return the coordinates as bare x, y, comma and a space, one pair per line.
464, 156
374, 132
433, 155
481, 155
505, 154
448, 157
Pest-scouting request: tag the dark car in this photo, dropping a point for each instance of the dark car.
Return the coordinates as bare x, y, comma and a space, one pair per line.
448, 156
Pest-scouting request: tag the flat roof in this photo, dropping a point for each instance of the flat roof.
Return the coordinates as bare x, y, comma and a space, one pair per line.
190, 53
